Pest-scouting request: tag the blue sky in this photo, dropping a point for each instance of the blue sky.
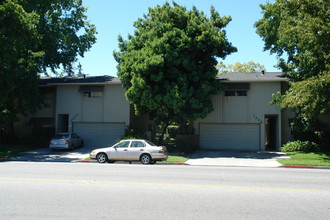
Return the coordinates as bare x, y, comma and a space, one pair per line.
112, 18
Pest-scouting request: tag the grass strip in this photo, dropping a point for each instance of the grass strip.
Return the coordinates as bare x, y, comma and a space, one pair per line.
176, 159
309, 159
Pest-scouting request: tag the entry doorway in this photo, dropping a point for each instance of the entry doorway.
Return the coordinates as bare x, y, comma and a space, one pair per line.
271, 132
63, 123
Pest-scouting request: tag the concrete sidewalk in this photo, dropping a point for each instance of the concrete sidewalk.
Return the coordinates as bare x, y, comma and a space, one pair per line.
236, 158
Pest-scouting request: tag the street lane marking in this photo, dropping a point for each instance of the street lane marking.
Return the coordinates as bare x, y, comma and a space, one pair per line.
164, 184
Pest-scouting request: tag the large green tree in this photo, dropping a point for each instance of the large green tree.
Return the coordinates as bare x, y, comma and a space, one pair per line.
37, 35
168, 66
249, 67
298, 31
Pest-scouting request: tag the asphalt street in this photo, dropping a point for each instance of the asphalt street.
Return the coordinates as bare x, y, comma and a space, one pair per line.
31, 190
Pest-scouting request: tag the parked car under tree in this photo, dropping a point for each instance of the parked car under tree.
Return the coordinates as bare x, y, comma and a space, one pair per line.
131, 150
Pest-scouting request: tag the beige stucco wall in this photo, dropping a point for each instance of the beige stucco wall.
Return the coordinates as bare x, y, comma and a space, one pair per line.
112, 107
246, 109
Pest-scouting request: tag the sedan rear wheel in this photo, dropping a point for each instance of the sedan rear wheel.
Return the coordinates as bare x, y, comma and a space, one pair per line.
145, 158
101, 157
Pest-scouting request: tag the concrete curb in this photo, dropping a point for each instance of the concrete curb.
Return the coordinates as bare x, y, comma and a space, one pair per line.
298, 166
306, 166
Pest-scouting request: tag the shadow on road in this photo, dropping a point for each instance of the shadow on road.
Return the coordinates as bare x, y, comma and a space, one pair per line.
47, 155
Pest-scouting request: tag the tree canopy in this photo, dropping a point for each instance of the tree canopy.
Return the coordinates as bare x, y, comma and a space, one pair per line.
168, 66
300, 30
37, 35
249, 67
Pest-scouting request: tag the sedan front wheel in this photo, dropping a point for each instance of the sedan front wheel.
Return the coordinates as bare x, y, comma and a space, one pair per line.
101, 158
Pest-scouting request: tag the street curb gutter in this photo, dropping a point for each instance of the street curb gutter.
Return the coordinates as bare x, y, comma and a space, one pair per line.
298, 166
306, 166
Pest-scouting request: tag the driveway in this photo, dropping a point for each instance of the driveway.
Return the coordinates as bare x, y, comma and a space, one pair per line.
236, 158
46, 155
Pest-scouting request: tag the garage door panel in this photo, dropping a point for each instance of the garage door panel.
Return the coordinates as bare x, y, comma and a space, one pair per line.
229, 136
99, 134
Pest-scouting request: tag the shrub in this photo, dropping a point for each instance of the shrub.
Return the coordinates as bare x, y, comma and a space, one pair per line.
132, 133
305, 146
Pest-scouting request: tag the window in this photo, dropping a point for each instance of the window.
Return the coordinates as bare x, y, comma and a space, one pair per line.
241, 93
123, 144
92, 94
137, 144
150, 143
91, 91
229, 93
61, 136
87, 94
74, 135
236, 93
236, 89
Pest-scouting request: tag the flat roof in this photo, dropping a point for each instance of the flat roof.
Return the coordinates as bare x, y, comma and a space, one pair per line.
103, 80
79, 80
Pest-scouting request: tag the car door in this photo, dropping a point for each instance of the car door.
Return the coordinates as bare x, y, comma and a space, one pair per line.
119, 151
135, 150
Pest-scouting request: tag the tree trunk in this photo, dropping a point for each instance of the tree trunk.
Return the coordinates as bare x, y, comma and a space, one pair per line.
161, 138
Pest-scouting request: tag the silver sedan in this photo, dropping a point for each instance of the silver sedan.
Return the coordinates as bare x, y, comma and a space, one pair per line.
131, 150
65, 141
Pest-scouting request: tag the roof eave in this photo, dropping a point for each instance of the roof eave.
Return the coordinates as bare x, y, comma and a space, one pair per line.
248, 81
85, 83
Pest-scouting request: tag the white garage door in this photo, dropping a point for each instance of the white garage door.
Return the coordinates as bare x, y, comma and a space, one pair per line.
99, 134
229, 136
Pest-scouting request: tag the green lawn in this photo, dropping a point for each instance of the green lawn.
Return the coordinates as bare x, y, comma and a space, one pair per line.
311, 159
176, 159
8, 151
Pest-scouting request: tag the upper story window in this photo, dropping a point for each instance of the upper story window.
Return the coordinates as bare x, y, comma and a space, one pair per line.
236, 93
92, 94
236, 89
91, 91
